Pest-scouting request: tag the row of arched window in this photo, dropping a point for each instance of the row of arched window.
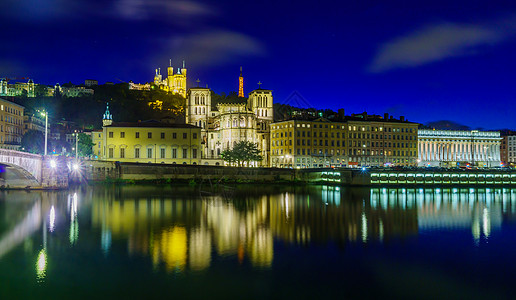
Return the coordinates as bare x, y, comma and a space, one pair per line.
199, 110
200, 100
262, 102
262, 113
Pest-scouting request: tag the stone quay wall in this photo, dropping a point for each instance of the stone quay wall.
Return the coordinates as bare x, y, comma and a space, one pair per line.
105, 170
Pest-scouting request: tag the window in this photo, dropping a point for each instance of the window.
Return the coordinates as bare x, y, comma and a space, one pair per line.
184, 135
174, 153
149, 152
174, 135
162, 135
110, 152
185, 153
194, 153
122, 135
137, 135
162, 153
149, 135
122, 152
194, 135
110, 134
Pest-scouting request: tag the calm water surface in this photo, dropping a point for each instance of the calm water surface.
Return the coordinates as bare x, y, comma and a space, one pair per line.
258, 242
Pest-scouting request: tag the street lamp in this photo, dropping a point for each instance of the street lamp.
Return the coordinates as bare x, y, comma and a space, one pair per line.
45, 114
76, 145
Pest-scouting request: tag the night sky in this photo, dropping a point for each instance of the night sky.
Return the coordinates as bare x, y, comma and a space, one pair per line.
426, 60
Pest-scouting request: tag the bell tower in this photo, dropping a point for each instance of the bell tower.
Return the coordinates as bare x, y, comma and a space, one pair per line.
107, 118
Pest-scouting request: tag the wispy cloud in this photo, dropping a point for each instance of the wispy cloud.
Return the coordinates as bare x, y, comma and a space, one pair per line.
145, 9
215, 47
55, 10
437, 42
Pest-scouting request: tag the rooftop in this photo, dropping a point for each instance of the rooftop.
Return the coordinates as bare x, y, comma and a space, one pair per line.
150, 124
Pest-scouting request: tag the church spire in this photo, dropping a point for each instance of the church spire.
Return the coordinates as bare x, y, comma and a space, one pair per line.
241, 84
107, 118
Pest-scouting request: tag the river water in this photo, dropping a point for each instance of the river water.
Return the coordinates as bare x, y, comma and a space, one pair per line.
257, 242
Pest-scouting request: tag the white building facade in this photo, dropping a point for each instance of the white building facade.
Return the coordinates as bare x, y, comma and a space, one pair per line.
452, 148
228, 123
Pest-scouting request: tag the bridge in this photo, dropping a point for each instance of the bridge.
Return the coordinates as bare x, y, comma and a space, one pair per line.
21, 170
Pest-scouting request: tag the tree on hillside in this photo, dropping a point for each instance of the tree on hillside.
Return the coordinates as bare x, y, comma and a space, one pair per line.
33, 141
243, 153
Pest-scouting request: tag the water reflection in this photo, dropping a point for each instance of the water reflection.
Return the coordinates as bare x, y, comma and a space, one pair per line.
180, 230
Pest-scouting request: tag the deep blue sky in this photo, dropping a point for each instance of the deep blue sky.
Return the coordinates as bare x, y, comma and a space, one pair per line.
427, 60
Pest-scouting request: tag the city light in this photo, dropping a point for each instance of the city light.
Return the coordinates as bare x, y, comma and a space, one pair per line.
53, 164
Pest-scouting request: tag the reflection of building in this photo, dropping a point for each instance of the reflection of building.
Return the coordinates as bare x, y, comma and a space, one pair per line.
151, 141
11, 125
243, 120
455, 147
352, 141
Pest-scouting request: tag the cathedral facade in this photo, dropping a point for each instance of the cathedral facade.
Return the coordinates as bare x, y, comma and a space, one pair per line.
225, 124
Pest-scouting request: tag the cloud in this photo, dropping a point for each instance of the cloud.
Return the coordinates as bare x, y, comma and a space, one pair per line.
215, 47
52, 10
147, 9
435, 43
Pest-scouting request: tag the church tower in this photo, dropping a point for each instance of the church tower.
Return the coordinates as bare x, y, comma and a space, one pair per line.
198, 107
158, 78
241, 84
260, 101
31, 91
107, 118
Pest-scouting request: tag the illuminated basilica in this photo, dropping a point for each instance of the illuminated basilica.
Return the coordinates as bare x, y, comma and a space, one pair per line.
228, 123
174, 83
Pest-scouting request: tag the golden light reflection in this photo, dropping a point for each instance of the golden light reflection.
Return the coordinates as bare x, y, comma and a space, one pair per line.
41, 265
170, 247
186, 234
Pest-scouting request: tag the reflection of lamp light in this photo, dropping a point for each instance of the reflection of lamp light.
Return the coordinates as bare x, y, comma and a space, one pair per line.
41, 264
52, 218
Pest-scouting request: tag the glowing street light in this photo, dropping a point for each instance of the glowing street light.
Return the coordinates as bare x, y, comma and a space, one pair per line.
45, 114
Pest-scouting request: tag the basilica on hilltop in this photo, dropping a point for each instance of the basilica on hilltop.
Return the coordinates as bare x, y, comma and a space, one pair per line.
174, 83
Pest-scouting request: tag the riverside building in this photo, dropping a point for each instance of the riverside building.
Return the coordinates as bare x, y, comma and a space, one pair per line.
11, 125
353, 141
147, 142
452, 148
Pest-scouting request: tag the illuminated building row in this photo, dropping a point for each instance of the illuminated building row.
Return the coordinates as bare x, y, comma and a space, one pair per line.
29, 89
349, 142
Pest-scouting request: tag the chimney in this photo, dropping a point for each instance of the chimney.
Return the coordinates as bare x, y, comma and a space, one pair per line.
341, 113
385, 116
402, 118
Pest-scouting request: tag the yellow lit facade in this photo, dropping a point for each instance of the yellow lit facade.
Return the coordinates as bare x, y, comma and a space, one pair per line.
148, 142
352, 143
11, 125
